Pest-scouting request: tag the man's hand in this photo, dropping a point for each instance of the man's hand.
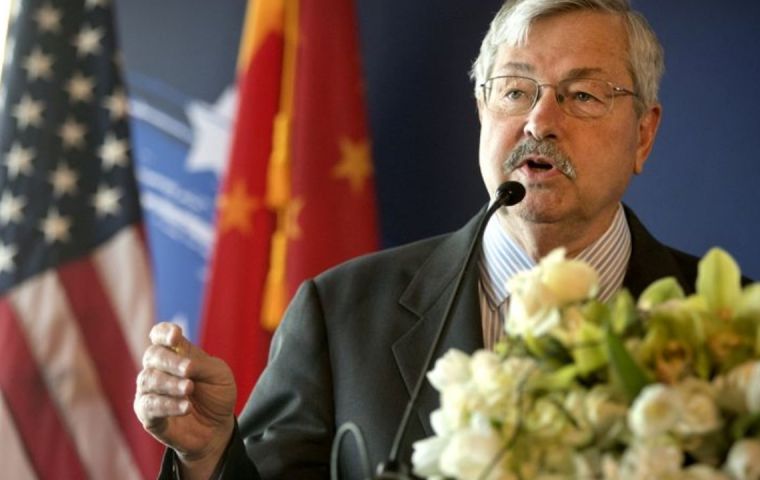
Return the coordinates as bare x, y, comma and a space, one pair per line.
186, 398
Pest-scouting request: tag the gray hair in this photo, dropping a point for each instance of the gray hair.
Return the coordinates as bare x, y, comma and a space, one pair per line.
511, 24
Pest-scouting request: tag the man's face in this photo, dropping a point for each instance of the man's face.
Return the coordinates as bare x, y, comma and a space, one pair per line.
603, 152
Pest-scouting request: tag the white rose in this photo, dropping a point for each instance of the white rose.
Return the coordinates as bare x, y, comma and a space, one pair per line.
569, 280
655, 411
700, 413
456, 406
440, 424
606, 415
427, 455
651, 461
487, 372
743, 462
532, 307
452, 368
470, 452
537, 295
739, 389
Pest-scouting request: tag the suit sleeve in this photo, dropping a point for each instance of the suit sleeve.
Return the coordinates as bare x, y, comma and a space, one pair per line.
234, 463
288, 422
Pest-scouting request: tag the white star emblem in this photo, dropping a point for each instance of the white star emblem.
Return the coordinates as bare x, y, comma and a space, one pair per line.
48, 18
7, 252
10, 208
106, 200
38, 65
117, 104
113, 152
19, 160
72, 133
64, 180
28, 112
88, 40
80, 88
55, 227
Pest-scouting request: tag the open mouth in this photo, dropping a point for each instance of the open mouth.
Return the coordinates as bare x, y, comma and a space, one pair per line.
538, 165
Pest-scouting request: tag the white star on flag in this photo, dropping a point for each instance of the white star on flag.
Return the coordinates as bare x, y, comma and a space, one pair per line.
38, 65
72, 133
48, 18
19, 160
80, 88
55, 227
117, 104
10, 208
7, 252
106, 200
64, 180
88, 41
113, 152
28, 112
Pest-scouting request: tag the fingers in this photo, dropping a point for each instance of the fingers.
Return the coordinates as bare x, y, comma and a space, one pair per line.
153, 410
175, 354
169, 335
158, 382
166, 360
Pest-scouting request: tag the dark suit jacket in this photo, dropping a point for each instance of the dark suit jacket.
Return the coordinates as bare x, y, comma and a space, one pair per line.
352, 345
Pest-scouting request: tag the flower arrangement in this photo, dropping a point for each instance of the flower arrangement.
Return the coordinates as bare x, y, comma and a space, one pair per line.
665, 387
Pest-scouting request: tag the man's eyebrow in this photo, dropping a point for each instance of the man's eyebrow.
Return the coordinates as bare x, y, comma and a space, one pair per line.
519, 66
582, 72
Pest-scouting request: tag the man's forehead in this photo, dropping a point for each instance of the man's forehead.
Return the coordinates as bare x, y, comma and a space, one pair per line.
516, 67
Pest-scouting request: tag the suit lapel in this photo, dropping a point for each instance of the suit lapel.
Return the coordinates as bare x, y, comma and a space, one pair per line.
650, 260
427, 296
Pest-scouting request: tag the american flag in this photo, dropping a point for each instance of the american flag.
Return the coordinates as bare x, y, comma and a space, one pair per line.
75, 288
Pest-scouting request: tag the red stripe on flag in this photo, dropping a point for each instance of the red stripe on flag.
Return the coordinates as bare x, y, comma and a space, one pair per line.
111, 356
231, 326
54, 454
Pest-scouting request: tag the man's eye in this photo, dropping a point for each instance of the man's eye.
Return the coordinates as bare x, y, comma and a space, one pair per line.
583, 97
514, 94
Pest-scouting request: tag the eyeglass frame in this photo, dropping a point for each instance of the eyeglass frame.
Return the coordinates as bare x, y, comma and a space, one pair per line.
617, 91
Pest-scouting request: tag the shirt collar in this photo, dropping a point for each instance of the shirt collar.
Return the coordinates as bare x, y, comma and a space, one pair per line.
502, 258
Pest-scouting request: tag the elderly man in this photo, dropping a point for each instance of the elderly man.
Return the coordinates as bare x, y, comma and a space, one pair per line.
567, 97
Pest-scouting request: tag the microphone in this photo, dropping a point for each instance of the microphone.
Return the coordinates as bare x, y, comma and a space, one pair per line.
509, 193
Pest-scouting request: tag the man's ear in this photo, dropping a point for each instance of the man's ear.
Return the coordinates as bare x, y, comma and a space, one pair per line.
648, 125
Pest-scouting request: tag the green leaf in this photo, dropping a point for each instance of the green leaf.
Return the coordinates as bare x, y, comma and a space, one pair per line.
719, 281
623, 312
745, 424
631, 376
560, 379
659, 292
590, 354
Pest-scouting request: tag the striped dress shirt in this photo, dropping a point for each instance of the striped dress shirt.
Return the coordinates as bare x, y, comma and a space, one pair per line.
502, 258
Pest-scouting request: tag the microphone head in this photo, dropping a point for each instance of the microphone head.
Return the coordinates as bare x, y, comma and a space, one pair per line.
510, 193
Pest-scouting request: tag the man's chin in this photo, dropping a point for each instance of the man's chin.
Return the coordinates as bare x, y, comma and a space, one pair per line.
538, 212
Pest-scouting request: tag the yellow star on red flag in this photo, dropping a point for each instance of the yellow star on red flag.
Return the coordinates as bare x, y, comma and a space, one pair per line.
355, 163
236, 207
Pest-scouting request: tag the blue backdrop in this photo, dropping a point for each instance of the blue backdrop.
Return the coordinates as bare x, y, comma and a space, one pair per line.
698, 189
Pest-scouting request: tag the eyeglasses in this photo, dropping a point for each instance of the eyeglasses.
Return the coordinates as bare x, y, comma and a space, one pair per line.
579, 97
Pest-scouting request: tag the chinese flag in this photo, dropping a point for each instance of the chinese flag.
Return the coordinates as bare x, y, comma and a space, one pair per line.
299, 193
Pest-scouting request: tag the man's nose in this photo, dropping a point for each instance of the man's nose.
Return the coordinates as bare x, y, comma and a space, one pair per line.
543, 119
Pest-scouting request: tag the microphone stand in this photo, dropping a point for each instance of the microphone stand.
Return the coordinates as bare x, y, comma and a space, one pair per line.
508, 194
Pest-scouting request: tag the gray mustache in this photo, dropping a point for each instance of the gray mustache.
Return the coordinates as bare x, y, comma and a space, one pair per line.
546, 149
